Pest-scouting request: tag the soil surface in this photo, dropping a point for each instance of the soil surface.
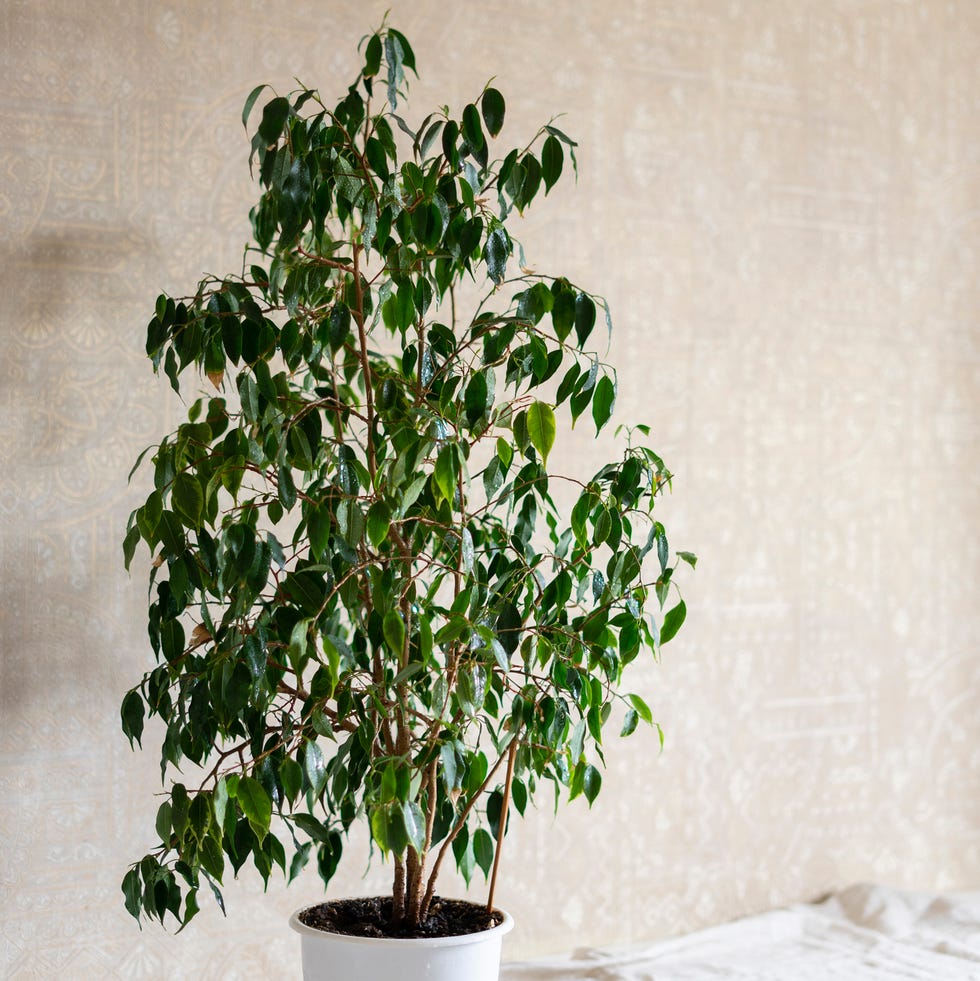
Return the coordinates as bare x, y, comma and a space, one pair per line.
372, 918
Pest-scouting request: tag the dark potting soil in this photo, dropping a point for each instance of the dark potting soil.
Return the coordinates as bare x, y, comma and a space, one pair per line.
371, 917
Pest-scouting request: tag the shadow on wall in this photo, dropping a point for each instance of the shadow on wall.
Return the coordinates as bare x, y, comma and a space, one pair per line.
76, 406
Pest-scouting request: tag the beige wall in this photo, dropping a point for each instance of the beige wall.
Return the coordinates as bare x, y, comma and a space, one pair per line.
780, 200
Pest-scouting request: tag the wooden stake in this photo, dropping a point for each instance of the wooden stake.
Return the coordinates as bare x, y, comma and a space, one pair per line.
502, 826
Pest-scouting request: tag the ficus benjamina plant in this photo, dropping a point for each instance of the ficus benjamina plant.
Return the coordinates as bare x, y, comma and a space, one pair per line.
365, 603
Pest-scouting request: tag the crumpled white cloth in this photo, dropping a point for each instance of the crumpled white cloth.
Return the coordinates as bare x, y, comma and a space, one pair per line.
864, 933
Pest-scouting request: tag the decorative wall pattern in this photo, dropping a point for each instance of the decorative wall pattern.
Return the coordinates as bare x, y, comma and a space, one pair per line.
781, 201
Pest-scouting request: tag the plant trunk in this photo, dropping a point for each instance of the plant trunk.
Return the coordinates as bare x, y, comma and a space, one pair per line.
416, 868
398, 892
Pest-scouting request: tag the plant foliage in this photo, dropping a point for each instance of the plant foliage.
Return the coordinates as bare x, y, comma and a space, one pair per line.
363, 598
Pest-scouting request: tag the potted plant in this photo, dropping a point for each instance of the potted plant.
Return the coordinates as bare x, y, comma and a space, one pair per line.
365, 604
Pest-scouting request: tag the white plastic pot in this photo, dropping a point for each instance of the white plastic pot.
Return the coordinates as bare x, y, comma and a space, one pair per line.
334, 957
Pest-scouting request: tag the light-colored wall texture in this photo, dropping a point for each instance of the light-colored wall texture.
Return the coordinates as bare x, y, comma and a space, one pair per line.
781, 201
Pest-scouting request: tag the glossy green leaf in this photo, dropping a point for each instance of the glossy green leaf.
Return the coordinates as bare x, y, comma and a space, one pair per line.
394, 631
378, 522
483, 850
496, 252
642, 709
476, 398
584, 317
132, 713
188, 498
132, 892
314, 767
445, 472
472, 131
247, 110
603, 401
380, 828
312, 827
541, 428
287, 488
372, 56
672, 622
414, 821
591, 783
220, 800
466, 547
508, 627
447, 761
492, 105
629, 723
274, 117
552, 159
256, 805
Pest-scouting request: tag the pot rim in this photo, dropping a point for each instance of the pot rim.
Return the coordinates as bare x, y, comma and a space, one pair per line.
459, 940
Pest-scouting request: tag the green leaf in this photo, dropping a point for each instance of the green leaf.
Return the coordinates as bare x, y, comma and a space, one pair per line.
378, 160
220, 799
191, 908
563, 315
394, 631
372, 56
414, 825
541, 428
471, 689
472, 132
552, 159
129, 544
496, 252
672, 622
492, 105
188, 498
132, 714
312, 827
629, 723
287, 489
315, 767
603, 401
483, 850
274, 117
689, 557
407, 54
508, 627
256, 805
179, 808
449, 136
584, 317
466, 546
378, 522
211, 857
591, 783
663, 551
475, 399
164, 824
379, 828
133, 892
249, 103
445, 473
298, 640
642, 708
447, 759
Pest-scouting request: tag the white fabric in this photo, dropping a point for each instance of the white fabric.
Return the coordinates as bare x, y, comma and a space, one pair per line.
864, 933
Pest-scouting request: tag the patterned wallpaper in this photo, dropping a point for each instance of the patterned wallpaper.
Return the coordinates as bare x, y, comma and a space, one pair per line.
781, 200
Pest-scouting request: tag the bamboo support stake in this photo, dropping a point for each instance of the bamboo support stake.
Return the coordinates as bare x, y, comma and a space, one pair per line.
502, 826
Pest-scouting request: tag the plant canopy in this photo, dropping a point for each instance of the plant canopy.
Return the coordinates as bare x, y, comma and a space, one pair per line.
364, 600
